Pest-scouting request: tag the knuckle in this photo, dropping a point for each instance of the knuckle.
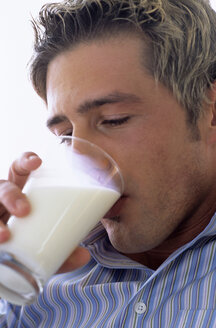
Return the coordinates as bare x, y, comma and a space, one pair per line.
7, 190
17, 168
3, 185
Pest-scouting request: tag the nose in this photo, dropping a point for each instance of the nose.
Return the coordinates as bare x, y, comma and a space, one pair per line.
93, 160
83, 130
84, 133
90, 151
85, 141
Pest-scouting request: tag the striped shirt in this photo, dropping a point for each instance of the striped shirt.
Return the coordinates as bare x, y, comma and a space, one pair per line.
114, 291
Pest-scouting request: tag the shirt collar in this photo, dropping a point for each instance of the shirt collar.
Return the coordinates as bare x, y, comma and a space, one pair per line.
105, 254
98, 244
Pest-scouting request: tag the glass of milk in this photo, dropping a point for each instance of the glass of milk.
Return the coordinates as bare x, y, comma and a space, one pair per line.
69, 194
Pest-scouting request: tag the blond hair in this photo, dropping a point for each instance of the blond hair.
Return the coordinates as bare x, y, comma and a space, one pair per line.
181, 35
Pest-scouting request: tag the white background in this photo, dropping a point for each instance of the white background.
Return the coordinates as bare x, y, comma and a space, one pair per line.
22, 112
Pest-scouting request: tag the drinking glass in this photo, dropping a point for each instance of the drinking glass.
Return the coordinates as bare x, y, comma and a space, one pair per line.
69, 193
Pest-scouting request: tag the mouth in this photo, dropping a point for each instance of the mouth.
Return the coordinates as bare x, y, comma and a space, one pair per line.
114, 213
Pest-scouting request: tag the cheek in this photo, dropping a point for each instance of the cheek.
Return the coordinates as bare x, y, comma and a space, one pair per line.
151, 157
155, 164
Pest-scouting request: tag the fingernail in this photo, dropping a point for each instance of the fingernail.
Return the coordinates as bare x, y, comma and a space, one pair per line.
31, 157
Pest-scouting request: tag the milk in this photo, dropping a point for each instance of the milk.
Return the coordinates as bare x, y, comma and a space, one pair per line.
61, 215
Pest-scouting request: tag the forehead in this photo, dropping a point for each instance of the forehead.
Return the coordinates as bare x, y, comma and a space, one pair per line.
97, 66
127, 48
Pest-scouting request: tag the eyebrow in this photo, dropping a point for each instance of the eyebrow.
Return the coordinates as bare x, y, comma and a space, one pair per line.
56, 120
113, 98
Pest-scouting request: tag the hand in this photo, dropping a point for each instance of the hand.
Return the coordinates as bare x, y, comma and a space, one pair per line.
78, 258
12, 200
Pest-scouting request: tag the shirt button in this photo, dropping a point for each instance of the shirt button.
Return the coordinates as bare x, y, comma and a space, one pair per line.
140, 307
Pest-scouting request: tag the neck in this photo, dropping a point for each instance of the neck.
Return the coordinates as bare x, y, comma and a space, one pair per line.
185, 232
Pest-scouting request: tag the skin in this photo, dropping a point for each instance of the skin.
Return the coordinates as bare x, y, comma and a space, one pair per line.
13, 201
168, 176
100, 91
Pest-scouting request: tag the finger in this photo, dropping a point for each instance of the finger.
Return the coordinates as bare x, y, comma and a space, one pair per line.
78, 258
4, 214
13, 200
4, 233
21, 168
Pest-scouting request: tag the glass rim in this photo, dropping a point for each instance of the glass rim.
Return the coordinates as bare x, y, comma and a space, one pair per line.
101, 150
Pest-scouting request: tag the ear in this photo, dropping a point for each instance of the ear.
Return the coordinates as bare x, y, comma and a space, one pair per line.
213, 104
212, 115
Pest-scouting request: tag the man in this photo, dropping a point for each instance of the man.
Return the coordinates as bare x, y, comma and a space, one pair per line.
136, 78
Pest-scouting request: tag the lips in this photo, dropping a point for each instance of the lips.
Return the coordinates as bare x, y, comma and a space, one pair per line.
116, 209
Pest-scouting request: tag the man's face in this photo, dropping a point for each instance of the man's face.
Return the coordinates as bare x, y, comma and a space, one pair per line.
101, 92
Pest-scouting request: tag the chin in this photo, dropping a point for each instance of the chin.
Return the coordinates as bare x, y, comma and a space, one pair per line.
117, 236
123, 240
